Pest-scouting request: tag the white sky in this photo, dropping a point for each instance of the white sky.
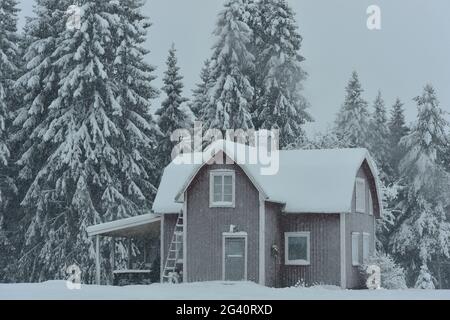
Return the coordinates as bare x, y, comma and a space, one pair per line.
411, 49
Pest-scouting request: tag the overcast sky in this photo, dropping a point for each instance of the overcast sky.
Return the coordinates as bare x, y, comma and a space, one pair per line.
411, 49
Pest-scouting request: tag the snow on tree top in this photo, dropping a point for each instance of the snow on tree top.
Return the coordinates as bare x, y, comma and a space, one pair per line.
308, 181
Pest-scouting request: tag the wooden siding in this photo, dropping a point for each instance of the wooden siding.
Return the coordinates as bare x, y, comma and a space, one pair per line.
324, 249
273, 236
359, 222
205, 225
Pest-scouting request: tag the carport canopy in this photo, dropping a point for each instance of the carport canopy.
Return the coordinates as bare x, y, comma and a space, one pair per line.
142, 225
145, 225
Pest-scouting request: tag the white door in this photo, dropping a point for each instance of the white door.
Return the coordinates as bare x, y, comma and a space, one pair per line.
235, 260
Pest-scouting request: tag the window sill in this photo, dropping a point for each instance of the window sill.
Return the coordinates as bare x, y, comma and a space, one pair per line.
297, 263
221, 205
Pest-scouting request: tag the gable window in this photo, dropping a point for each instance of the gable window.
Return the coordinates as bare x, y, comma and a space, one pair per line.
297, 248
221, 188
355, 248
370, 203
360, 195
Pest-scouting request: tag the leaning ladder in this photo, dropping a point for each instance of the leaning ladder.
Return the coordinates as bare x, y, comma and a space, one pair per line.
175, 253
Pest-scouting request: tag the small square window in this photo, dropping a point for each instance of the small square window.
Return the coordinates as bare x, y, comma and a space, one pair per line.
297, 248
221, 188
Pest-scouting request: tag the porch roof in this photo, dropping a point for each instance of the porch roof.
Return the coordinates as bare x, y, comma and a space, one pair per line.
145, 224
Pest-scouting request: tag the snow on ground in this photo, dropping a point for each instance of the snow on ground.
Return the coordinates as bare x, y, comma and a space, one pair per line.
204, 291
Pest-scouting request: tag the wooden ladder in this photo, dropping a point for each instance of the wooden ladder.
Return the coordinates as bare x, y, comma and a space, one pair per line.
175, 254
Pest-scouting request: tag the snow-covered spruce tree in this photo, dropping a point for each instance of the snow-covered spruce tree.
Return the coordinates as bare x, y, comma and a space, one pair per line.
279, 74
422, 236
200, 95
171, 116
98, 166
37, 87
352, 122
379, 134
397, 130
231, 64
9, 69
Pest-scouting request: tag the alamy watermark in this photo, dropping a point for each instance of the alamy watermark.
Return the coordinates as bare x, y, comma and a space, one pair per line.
73, 14
374, 278
374, 18
251, 147
73, 281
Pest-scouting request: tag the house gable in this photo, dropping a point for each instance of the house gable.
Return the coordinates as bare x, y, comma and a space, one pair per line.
206, 225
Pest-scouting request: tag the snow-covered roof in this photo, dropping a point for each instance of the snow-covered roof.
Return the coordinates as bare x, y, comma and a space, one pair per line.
128, 226
313, 181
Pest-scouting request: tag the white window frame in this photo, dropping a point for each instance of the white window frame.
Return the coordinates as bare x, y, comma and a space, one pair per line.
297, 262
362, 208
355, 249
221, 173
366, 246
370, 203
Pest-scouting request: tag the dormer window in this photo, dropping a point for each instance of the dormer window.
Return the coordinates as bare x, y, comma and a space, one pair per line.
221, 188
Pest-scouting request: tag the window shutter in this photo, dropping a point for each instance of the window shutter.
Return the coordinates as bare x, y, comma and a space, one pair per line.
355, 248
366, 246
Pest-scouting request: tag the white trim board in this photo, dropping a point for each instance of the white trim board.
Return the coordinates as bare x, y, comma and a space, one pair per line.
161, 250
185, 237
262, 240
343, 251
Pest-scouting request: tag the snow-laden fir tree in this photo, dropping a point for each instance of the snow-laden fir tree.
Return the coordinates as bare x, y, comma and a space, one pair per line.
231, 64
352, 122
379, 135
397, 130
200, 95
279, 74
422, 236
96, 135
171, 115
37, 87
9, 69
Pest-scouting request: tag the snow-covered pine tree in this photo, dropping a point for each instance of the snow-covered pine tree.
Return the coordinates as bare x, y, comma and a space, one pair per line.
279, 74
352, 121
171, 116
397, 130
422, 236
232, 62
98, 164
9, 70
37, 87
379, 135
200, 95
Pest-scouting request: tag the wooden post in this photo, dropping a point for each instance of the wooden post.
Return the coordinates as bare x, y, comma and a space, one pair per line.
97, 258
113, 258
129, 254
